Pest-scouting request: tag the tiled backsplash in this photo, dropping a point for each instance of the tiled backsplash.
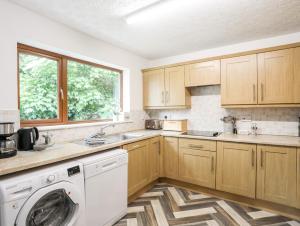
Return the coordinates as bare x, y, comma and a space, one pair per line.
206, 112
135, 122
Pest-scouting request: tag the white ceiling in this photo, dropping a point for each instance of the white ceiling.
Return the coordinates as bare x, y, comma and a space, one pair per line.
187, 25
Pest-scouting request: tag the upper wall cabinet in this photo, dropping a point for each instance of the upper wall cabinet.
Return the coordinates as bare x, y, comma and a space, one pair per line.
296, 75
165, 88
154, 88
239, 80
202, 74
276, 77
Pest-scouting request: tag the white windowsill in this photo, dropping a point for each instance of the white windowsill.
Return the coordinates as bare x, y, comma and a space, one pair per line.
80, 125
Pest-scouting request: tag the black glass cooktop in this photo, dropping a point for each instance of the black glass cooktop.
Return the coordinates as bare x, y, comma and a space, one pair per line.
202, 133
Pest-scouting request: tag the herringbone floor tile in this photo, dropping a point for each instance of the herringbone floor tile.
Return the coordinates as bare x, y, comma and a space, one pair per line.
167, 205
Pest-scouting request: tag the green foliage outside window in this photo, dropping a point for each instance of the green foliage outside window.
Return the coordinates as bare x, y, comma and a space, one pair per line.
38, 87
93, 92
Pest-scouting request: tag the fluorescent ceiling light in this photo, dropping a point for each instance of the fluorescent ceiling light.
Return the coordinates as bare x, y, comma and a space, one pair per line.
155, 11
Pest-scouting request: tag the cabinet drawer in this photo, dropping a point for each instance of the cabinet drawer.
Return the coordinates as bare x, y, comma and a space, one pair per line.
136, 145
195, 144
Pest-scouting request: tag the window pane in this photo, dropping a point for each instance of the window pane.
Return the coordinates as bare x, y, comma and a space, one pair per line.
93, 92
38, 87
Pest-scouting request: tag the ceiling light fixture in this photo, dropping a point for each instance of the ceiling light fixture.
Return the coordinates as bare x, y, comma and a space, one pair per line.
154, 11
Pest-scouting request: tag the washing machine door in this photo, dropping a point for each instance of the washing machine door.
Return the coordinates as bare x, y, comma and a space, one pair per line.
59, 204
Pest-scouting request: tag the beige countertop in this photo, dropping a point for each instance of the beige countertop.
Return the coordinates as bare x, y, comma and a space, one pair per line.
70, 150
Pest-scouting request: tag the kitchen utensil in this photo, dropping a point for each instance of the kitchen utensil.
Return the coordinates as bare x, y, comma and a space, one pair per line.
7, 140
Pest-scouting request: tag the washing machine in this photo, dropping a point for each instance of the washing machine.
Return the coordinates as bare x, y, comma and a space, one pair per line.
52, 196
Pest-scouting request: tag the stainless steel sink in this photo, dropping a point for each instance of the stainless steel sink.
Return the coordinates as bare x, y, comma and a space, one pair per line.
114, 138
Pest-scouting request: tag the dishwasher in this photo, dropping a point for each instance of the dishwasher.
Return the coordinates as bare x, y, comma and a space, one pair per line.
105, 178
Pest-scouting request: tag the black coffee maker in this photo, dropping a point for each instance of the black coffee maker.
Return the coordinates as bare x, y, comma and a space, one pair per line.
8, 147
27, 138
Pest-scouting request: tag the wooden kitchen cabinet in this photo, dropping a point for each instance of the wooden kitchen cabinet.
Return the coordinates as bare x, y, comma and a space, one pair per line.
236, 168
164, 88
297, 75
154, 88
197, 162
138, 172
176, 93
276, 77
203, 74
171, 157
239, 80
154, 158
298, 177
276, 174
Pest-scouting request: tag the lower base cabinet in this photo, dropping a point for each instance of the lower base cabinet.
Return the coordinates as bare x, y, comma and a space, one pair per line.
298, 177
197, 162
137, 166
171, 157
154, 158
236, 168
277, 174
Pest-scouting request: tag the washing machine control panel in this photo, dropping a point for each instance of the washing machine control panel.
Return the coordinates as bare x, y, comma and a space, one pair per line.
73, 170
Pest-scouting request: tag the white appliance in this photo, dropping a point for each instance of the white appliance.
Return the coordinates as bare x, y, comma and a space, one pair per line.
50, 196
105, 177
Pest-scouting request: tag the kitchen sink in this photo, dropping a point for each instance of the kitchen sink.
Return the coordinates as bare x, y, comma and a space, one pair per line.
110, 139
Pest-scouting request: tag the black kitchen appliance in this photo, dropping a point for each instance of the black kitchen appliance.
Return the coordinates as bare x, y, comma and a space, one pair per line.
8, 147
27, 138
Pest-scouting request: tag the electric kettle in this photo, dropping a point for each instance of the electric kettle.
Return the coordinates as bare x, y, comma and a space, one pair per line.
27, 138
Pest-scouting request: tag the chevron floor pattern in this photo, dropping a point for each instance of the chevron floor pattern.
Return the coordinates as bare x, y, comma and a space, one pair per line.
167, 205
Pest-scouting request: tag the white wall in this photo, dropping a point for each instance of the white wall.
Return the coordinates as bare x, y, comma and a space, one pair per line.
20, 25
230, 49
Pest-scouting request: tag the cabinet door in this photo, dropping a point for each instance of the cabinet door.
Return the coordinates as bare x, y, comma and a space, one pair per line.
175, 88
154, 88
203, 74
197, 166
154, 158
275, 77
298, 177
138, 174
297, 75
236, 168
276, 174
239, 80
171, 157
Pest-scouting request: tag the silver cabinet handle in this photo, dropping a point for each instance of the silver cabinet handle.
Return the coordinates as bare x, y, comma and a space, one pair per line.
262, 91
212, 164
167, 96
253, 156
261, 159
162, 96
254, 93
193, 146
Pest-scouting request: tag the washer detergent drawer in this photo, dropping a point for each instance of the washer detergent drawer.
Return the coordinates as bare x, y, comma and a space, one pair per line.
106, 191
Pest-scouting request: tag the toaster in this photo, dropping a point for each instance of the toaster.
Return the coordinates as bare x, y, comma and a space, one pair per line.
153, 124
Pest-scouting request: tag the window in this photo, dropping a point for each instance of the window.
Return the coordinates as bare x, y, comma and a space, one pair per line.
56, 89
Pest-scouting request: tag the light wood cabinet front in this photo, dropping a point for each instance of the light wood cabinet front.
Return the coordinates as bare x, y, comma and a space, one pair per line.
298, 177
275, 77
276, 174
297, 75
154, 88
171, 157
176, 93
203, 74
197, 162
236, 168
239, 80
154, 158
138, 173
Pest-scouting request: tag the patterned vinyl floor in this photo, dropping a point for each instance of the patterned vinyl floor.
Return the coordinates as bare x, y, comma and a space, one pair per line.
166, 204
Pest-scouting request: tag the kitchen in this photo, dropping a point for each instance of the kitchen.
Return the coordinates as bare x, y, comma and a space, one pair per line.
104, 123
